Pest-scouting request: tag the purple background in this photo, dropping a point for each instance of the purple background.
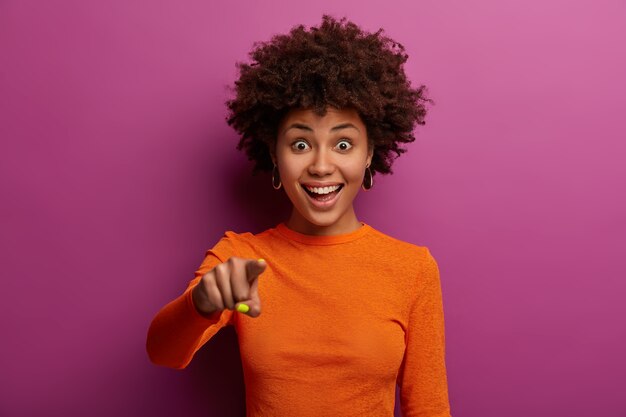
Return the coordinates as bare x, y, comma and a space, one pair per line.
118, 171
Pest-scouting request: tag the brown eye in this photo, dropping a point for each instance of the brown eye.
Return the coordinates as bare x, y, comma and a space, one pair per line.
344, 145
299, 145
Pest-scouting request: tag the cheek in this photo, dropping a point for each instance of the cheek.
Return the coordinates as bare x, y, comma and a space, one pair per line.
355, 172
289, 172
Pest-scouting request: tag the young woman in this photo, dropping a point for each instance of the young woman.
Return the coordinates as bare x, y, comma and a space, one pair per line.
330, 313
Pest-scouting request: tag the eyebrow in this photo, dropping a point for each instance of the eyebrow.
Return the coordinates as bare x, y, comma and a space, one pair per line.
307, 128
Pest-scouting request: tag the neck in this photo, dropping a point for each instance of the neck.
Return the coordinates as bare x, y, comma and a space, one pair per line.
345, 224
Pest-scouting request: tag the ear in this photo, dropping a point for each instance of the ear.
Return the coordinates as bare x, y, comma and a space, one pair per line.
370, 155
272, 151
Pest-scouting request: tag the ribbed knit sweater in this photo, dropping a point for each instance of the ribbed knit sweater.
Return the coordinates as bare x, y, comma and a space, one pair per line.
343, 319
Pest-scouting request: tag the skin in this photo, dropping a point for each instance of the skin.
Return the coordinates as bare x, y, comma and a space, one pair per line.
314, 152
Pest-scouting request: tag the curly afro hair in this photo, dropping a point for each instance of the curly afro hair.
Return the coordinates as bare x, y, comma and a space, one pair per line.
338, 65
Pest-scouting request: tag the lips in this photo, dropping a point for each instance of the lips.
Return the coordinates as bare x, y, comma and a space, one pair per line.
323, 204
312, 194
320, 184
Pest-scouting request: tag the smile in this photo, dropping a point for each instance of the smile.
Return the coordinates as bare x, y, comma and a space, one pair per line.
323, 197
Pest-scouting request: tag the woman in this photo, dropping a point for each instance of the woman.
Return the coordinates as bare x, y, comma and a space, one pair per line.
347, 311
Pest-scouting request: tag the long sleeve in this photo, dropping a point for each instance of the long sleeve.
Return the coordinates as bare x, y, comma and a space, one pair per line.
422, 377
179, 330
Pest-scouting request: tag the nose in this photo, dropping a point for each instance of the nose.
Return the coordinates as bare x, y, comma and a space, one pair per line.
321, 164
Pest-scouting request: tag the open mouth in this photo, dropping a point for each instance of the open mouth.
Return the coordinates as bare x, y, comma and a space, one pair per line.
321, 196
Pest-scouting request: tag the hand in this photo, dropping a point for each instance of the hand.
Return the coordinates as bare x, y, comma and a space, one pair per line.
229, 285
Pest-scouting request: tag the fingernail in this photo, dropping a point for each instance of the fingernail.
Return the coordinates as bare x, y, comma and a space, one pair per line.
261, 260
243, 308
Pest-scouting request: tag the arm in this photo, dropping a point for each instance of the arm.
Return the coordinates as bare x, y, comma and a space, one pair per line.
179, 329
422, 377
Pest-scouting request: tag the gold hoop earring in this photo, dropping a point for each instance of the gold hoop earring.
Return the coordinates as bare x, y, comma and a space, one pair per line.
368, 180
275, 178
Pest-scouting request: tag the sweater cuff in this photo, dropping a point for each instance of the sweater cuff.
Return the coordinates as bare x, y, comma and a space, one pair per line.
199, 317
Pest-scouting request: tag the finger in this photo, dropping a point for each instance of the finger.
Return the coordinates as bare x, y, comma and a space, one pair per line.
213, 293
255, 300
238, 280
222, 279
254, 268
252, 306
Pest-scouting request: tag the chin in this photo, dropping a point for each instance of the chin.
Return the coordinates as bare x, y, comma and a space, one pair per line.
322, 219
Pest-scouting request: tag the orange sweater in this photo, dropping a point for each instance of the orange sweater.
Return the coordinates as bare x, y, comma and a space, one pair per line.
343, 319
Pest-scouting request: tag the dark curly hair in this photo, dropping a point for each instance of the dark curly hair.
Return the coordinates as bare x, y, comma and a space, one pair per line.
338, 65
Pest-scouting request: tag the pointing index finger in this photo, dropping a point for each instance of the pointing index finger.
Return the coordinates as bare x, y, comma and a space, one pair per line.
254, 268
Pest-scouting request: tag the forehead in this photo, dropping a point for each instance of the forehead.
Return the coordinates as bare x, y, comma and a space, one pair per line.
332, 116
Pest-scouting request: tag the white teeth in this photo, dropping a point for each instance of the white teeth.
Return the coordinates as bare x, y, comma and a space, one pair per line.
323, 190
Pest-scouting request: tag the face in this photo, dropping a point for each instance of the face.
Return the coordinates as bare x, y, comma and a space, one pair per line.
322, 151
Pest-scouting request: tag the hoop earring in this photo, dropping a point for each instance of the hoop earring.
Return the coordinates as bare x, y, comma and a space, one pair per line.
276, 178
368, 180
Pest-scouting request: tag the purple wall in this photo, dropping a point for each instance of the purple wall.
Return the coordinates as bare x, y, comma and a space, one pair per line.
118, 171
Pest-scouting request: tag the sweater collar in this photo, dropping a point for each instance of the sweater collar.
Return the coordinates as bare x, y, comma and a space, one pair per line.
323, 240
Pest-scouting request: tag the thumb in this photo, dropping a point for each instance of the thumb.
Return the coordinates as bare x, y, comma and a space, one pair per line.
252, 306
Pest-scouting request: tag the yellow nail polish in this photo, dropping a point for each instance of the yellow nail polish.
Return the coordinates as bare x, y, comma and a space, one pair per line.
261, 260
243, 308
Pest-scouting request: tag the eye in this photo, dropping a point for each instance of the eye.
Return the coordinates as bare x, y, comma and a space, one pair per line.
341, 145
299, 145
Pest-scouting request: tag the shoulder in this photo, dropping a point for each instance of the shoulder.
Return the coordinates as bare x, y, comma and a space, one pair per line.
410, 260
249, 238
244, 244
410, 266
390, 244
